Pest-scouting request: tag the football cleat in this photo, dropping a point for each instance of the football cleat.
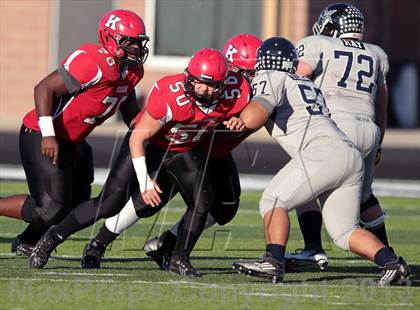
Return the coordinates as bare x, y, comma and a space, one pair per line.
307, 257
24, 250
21, 249
267, 267
394, 273
181, 265
92, 254
42, 251
160, 249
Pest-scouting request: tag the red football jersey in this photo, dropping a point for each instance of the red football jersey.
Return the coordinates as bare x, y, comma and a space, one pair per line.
185, 122
97, 85
223, 142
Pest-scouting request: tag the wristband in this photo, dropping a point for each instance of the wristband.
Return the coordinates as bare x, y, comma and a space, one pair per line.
143, 178
46, 126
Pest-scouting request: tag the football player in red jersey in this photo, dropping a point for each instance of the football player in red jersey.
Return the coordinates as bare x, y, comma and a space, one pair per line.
91, 83
181, 109
240, 52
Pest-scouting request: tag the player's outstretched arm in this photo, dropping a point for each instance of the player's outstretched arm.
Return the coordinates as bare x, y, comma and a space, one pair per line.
146, 128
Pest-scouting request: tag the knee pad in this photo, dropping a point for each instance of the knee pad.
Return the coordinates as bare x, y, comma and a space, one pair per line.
43, 217
225, 212
28, 207
144, 211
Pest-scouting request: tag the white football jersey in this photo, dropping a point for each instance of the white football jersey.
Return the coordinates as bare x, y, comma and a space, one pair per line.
296, 107
348, 72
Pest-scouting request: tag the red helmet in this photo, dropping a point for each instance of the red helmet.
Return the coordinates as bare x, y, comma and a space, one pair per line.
241, 52
207, 66
123, 35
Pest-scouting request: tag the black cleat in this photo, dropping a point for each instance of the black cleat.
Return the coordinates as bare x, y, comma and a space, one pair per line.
395, 272
181, 265
21, 249
160, 249
92, 254
267, 267
42, 251
24, 250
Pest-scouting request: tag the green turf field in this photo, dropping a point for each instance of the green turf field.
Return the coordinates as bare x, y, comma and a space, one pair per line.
129, 280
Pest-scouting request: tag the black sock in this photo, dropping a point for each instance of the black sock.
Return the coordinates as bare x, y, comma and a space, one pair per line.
169, 241
380, 233
66, 228
189, 230
277, 251
105, 236
383, 256
310, 224
30, 235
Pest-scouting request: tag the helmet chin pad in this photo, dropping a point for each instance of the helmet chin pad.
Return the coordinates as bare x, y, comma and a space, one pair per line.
204, 99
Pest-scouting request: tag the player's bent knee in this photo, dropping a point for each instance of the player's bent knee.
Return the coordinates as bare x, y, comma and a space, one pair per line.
50, 214
342, 239
226, 212
268, 203
145, 211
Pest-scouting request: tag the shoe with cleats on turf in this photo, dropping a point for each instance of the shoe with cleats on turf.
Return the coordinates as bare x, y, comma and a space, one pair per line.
306, 257
92, 254
42, 251
267, 267
181, 265
160, 249
395, 273
21, 249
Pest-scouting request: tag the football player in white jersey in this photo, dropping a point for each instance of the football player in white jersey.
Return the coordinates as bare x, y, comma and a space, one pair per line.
352, 77
324, 164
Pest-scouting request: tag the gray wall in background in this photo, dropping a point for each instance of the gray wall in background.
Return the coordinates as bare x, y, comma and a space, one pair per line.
79, 22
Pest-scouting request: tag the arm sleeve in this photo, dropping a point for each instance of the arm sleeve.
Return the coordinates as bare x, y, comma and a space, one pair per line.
383, 67
82, 68
72, 85
266, 89
309, 51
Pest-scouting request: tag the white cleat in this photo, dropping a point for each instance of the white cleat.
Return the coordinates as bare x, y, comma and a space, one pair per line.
307, 257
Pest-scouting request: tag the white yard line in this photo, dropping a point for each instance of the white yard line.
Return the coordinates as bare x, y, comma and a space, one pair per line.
90, 274
290, 295
338, 303
187, 284
338, 262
